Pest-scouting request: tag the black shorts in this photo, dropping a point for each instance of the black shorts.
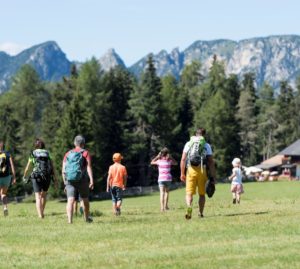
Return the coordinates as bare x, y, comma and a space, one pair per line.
40, 185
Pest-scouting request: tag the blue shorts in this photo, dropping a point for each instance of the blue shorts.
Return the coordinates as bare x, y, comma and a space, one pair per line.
5, 181
116, 194
166, 184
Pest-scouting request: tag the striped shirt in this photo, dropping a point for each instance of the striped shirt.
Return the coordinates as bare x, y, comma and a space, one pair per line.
164, 170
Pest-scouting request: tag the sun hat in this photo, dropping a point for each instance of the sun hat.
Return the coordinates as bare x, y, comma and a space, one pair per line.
236, 161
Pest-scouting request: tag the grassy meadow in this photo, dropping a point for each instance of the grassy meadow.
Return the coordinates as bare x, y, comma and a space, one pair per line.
262, 232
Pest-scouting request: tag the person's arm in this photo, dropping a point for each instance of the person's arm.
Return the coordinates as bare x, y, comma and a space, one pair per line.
182, 166
90, 173
211, 167
125, 179
153, 162
13, 171
233, 174
26, 169
63, 175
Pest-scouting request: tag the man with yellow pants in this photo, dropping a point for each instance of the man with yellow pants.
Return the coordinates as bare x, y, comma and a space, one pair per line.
196, 158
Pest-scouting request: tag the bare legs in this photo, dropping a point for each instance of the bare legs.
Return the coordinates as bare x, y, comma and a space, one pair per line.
201, 203
164, 198
40, 203
3, 192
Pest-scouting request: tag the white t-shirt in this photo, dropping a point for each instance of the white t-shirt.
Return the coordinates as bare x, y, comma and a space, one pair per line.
237, 179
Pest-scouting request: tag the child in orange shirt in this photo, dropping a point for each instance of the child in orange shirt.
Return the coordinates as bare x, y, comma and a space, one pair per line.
116, 182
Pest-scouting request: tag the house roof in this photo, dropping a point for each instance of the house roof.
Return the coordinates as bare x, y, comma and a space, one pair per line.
272, 162
291, 150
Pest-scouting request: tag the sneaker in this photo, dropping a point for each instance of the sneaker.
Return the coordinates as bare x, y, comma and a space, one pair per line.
200, 215
234, 201
89, 219
188, 214
5, 212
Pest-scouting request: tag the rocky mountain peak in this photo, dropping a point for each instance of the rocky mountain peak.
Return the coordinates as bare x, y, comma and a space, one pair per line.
110, 60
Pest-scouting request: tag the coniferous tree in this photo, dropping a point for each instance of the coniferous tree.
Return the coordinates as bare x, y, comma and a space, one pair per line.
284, 113
266, 122
146, 110
217, 115
247, 118
30, 99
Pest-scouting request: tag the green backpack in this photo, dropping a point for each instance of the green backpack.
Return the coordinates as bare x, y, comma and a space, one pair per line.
197, 152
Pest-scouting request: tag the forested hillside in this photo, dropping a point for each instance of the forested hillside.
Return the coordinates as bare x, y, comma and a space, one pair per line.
117, 113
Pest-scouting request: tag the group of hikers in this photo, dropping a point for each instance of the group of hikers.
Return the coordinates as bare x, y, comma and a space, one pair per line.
197, 169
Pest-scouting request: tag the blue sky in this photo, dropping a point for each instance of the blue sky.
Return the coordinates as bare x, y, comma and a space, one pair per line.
86, 28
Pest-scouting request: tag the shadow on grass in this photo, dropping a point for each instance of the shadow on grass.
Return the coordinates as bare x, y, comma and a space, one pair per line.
246, 213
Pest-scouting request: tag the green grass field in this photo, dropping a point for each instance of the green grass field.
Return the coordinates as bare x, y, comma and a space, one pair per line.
262, 232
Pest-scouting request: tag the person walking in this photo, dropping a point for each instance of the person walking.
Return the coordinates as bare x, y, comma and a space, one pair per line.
236, 181
7, 175
164, 161
42, 174
77, 174
116, 182
195, 165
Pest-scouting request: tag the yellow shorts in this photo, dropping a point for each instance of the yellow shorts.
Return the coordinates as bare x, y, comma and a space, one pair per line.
195, 177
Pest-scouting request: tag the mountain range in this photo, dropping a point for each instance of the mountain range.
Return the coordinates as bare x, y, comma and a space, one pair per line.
271, 59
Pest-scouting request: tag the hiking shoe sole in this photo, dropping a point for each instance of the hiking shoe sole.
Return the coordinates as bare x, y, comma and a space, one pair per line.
188, 214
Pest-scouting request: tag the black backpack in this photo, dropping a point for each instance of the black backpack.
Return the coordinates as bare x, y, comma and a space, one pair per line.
4, 164
42, 165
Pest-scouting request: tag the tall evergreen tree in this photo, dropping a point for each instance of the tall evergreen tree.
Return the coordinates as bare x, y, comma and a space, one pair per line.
146, 110
266, 122
247, 118
217, 115
284, 114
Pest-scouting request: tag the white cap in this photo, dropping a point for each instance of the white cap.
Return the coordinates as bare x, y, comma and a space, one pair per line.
236, 161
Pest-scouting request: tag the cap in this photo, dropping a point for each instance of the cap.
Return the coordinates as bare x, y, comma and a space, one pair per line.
117, 157
236, 161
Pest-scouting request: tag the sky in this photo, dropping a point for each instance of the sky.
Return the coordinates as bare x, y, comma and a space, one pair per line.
134, 28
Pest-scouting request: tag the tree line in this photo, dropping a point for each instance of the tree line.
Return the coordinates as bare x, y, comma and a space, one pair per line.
117, 112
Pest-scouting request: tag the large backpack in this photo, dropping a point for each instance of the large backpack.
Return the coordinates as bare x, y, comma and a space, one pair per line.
197, 152
74, 166
42, 165
4, 164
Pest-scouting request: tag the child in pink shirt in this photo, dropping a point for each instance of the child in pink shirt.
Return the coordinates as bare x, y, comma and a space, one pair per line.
164, 162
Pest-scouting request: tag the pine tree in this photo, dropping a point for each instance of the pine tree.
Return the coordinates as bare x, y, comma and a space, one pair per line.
247, 118
146, 110
284, 113
217, 115
266, 122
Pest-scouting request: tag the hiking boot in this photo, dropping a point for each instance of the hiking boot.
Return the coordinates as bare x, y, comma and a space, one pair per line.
89, 219
188, 214
234, 201
5, 212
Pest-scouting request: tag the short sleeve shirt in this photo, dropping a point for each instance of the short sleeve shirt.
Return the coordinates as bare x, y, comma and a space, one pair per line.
85, 155
116, 174
164, 170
